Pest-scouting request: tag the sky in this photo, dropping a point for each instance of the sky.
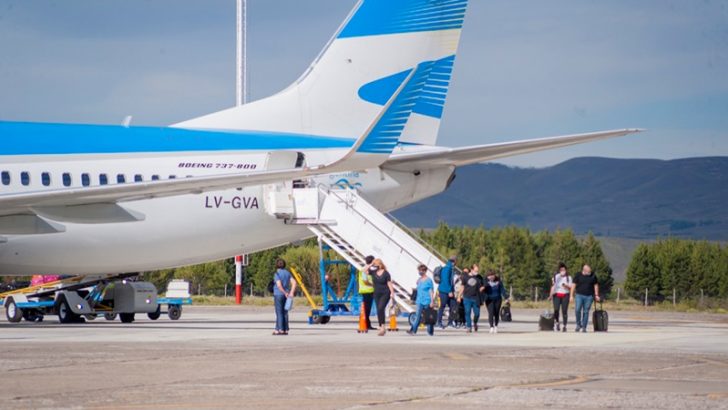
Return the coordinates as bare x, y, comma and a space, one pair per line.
525, 68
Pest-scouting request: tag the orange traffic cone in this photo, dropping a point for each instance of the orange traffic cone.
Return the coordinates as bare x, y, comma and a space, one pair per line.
363, 328
393, 322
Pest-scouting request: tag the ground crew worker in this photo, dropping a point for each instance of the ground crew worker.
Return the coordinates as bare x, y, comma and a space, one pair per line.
366, 290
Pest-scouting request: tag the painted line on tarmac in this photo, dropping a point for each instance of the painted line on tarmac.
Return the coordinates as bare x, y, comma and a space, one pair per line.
554, 383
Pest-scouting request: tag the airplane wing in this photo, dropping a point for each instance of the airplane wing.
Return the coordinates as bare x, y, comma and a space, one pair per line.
97, 203
413, 161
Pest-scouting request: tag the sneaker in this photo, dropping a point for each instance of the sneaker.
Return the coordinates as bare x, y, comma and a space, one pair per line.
475, 328
492, 330
470, 330
577, 329
495, 329
558, 327
382, 331
411, 333
583, 330
564, 329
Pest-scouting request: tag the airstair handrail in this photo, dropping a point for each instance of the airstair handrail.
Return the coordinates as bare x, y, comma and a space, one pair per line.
417, 237
323, 188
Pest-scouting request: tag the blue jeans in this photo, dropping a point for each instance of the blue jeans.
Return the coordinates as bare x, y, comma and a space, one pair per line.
445, 301
583, 306
471, 306
418, 319
281, 313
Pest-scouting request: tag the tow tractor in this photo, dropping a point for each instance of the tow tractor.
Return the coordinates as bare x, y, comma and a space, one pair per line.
81, 298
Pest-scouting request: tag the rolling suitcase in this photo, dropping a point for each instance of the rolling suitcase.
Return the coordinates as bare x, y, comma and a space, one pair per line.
600, 319
505, 313
546, 322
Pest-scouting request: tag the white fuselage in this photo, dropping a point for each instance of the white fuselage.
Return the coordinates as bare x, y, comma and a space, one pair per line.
178, 230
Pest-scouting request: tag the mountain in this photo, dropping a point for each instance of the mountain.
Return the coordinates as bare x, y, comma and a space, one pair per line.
631, 198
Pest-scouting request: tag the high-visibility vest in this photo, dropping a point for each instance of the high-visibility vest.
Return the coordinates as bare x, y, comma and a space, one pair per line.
363, 287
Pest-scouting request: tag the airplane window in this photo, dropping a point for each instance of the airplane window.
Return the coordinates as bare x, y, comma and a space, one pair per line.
66, 179
120, 178
172, 176
138, 178
24, 178
103, 179
85, 180
155, 177
6, 178
45, 178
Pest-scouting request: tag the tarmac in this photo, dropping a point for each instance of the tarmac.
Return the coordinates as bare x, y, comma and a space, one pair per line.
226, 357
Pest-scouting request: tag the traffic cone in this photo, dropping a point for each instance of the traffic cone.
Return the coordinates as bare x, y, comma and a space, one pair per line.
393, 322
363, 328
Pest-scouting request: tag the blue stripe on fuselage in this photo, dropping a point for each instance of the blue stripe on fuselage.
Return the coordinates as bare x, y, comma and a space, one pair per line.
24, 138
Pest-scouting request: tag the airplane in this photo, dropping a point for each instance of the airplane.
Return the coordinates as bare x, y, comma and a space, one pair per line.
90, 199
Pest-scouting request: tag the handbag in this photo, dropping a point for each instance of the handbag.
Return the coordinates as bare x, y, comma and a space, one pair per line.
289, 303
429, 316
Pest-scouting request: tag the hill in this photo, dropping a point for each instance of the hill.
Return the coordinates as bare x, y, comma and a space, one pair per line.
629, 198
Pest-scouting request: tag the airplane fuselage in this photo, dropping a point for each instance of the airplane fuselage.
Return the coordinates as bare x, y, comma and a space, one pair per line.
176, 230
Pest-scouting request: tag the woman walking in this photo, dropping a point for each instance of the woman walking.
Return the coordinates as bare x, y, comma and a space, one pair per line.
383, 291
495, 294
472, 288
425, 299
560, 294
284, 287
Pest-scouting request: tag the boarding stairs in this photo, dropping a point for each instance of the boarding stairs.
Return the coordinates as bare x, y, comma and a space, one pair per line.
354, 228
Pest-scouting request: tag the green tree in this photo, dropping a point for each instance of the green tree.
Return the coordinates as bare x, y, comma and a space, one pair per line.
643, 273
593, 255
563, 247
206, 278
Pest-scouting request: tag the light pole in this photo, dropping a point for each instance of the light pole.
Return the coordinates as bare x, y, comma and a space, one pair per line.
241, 77
242, 53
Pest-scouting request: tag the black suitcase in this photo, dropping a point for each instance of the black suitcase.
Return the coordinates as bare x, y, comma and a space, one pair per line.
505, 313
600, 318
429, 316
546, 322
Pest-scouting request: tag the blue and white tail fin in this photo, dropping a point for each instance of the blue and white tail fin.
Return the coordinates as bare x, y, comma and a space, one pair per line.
359, 71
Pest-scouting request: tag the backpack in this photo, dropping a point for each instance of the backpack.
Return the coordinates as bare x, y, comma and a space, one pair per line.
271, 285
437, 274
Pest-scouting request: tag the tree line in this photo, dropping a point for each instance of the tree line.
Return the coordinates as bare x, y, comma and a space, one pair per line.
690, 269
526, 261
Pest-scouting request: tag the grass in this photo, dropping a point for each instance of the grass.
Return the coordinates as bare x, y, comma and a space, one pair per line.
209, 300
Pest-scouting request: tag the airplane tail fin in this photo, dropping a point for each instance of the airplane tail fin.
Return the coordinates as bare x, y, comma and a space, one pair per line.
359, 71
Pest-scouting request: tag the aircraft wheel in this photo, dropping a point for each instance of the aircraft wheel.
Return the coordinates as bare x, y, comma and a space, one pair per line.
12, 311
174, 312
126, 317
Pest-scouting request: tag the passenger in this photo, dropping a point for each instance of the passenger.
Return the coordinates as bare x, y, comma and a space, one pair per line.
285, 287
446, 291
586, 288
495, 293
560, 293
472, 289
425, 299
458, 313
366, 289
383, 291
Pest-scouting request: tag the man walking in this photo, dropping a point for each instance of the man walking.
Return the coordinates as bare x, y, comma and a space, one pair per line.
445, 289
586, 289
